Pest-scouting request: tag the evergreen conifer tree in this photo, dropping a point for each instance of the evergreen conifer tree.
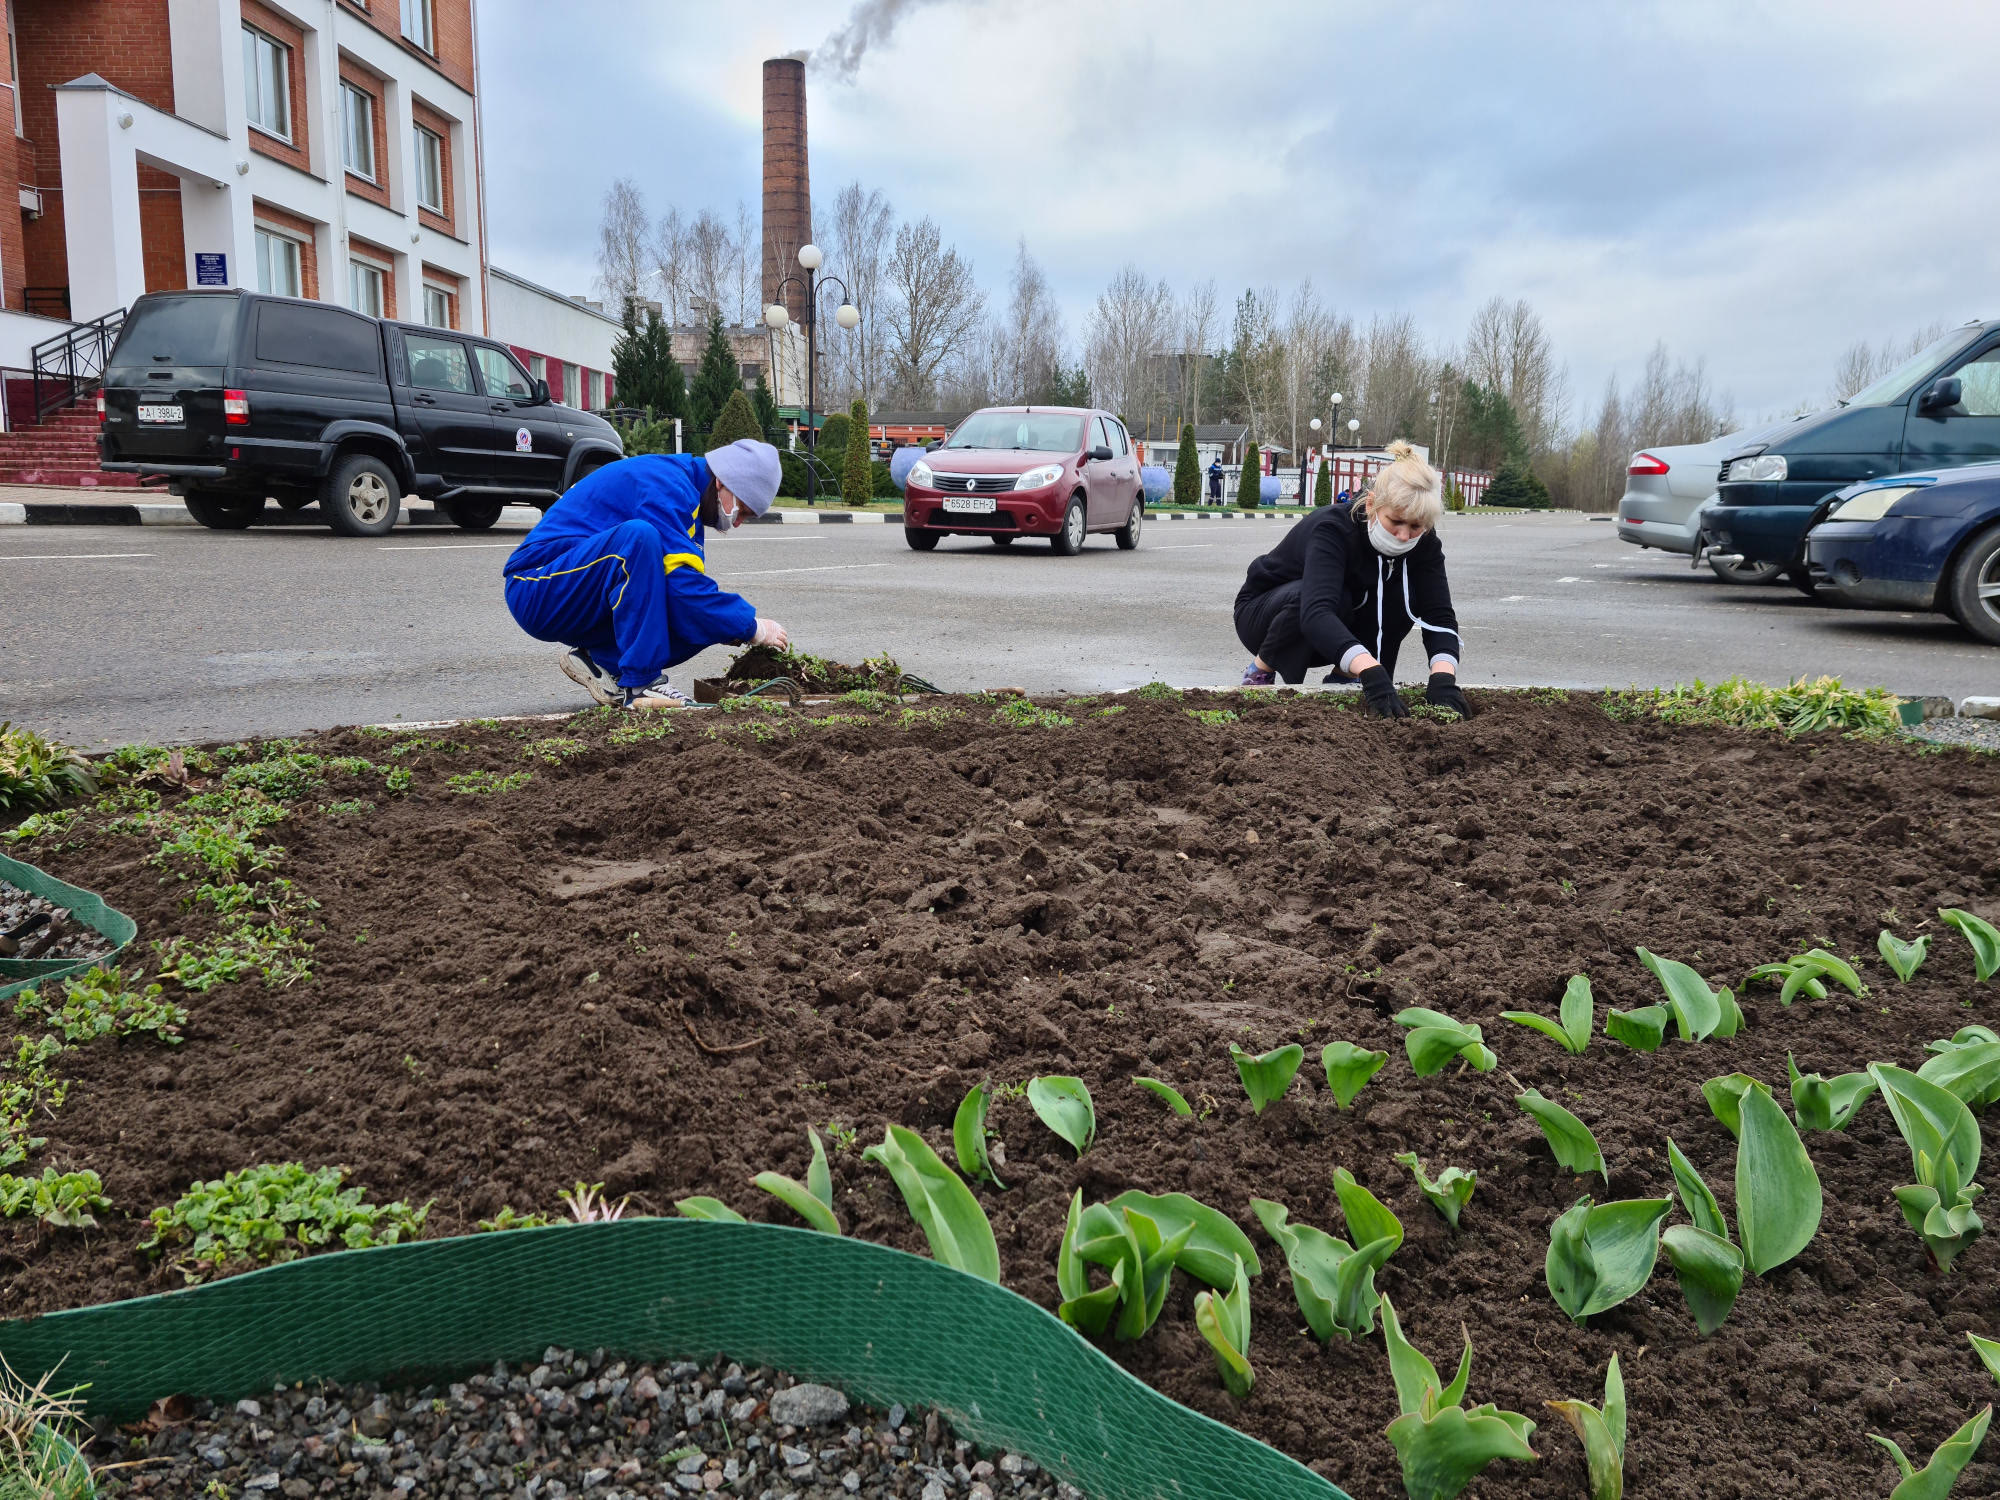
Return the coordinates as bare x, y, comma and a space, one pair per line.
716, 378
766, 407
1514, 484
1187, 469
1323, 486
628, 360
667, 392
738, 420
1250, 484
857, 474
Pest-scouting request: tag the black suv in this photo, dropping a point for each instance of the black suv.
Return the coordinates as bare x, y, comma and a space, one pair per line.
232, 396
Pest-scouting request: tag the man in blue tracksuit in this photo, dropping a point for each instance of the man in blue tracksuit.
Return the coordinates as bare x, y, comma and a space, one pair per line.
618, 572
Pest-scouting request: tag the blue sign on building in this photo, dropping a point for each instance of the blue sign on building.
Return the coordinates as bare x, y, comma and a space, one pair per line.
211, 268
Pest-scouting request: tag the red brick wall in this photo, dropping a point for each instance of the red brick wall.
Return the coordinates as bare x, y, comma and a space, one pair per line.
378, 190
277, 218
442, 127
451, 24
275, 26
16, 165
126, 41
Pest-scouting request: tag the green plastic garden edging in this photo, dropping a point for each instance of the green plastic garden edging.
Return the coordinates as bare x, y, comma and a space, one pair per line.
18, 973
880, 1324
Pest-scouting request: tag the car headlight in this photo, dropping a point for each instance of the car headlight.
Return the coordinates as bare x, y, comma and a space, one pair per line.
1036, 479
1765, 467
1870, 505
920, 474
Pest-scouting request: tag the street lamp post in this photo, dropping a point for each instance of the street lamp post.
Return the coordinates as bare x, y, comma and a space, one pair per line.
847, 315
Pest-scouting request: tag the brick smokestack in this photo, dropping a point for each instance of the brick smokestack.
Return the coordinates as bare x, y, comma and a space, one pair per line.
787, 187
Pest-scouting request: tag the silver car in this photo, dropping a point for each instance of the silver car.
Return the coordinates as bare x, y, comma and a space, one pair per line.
1664, 487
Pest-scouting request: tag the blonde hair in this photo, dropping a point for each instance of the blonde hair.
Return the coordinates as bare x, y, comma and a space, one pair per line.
1408, 489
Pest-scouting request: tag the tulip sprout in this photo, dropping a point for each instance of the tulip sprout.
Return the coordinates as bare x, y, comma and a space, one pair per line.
1348, 1069
1449, 1193
1806, 973
1944, 1148
1064, 1106
968, 1136
938, 1199
1266, 1076
1575, 1147
1140, 1238
1725, 1099
1935, 1479
1982, 934
1576, 1016
1988, 1351
1167, 1093
1435, 1038
1699, 1011
1332, 1280
1904, 958
1778, 1196
712, 1209
1708, 1266
1642, 1030
1225, 1322
811, 1200
1602, 1253
1602, 1431
1444, 1447
1967, 1066
1829, 1103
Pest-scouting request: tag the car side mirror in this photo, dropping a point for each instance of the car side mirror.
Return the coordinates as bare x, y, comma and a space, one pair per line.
1945, 391
541, 393
1100, 453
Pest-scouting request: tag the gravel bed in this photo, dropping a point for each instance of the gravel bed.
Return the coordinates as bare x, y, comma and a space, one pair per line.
73, 939
573, 1425
1983, 734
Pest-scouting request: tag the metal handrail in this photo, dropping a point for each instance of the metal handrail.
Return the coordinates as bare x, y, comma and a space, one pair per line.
72, 362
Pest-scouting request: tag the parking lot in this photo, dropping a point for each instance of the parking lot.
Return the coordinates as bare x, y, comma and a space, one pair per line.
173, 633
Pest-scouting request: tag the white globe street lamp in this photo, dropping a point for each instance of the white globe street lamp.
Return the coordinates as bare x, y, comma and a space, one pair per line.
847, 315
810, 257
775, 315
1353, 426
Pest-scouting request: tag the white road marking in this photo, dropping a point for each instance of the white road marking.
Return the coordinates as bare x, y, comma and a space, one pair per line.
1184, 547
829, 568
69, 556
1513, 598
450, 547
1569, 580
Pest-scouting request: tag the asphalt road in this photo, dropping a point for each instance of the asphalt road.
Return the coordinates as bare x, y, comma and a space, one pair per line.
113, 634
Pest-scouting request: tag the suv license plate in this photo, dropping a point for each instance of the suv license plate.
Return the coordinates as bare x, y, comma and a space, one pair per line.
971, 505
160, 414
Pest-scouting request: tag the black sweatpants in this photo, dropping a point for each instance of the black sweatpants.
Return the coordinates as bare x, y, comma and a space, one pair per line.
1268, 626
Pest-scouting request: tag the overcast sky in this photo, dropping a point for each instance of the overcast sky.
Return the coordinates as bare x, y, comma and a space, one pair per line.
1757, 184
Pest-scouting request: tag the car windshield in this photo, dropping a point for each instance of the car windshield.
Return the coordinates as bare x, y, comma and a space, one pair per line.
1897, 381
1036, 431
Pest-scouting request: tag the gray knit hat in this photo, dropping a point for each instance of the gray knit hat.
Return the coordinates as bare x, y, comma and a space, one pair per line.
749, 470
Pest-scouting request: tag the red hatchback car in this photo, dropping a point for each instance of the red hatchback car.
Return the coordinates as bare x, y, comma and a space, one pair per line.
1013, 471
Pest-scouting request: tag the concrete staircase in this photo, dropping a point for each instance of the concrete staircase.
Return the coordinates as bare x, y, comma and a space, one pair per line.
61, 451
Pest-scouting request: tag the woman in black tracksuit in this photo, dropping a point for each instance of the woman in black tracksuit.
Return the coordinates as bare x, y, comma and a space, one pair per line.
1346, 585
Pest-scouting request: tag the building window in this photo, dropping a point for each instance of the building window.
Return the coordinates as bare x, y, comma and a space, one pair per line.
570, 384
278, 265
593, 390
417, 20
438, 310
749, 374
364, 288
267, 82
538, 367
430, 170
357, 131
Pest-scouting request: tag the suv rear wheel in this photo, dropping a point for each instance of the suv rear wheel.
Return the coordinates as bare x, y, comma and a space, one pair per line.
361, 497
473, 513
1069, 541
1974, 590
223, 512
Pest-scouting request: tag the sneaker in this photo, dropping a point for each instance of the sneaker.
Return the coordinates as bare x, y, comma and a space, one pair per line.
586, 674
654, 695
1256, 676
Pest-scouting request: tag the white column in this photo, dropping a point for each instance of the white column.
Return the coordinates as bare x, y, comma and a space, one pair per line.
218, 218
100, 178
207, 42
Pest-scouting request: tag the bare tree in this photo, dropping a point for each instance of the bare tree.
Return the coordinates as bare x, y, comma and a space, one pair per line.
1028, 340
859, 235
1253, 358
746, 268
1395, 381
934, 307
1507, 350
623, 265
712, 258
1127, 343
1198, 324
672, 266
1862, 365
1303, 343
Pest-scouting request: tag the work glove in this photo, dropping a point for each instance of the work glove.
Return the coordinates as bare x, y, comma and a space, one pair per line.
771, 633
1378, 693
1443, 692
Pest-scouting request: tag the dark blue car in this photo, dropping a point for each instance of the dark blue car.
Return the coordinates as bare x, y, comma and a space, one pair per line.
1915, 541
1938, 410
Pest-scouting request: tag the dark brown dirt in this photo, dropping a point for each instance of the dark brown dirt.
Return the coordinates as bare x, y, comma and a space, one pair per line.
506, 984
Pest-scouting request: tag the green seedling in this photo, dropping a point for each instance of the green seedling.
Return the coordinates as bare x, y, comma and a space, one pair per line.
1981, 934
811, 1200
1602, 1432
1935, 1479
1332, 1280
1967, 1066
1725, 1099
1944, 1147
1903, 958
1708, 1266
1129, 1243
1449, 1193
106, 1002
968, 1136
1225, 1322
1444, 1447
1435, 1038
1575, 1147
1602, 1253
1699, 1011
58, 1200
1213, 1239
588, 1205
1988, 1351
938, 1199
1576, 1015
1829, 1103
508, 1219
1642, 1030
1348, 1069
1064, 1106
712, 1209
1778, 1197
1167, 1093
1807, 973
1266, 1076
274, 1212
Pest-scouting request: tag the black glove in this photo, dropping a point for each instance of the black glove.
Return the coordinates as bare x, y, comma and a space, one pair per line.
1378, 693
1443, 692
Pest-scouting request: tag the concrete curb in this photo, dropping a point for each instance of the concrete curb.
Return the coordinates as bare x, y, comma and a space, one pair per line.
173, 513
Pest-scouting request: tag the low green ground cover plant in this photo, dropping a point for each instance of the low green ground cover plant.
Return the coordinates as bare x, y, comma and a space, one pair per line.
1935, 1480
247, 947
1214, 718
36, 772
1348, 1069
508, 1219
1576, 1017
58, 1200
1435, 1038
1800, 707
487, 783
273, 1212
953, 1223
1983, 936
1601, 1429
1448, 1193
105, 1002
1602, 1253
1267, 1075
1020, 713
1444, 1447
29, 1088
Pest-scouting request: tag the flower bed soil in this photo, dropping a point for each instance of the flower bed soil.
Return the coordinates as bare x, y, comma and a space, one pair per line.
656, 963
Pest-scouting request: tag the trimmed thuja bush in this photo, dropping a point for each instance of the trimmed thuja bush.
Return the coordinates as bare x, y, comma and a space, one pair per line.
857, 474
1323, 486
1187, 469
1250, 481
738, 420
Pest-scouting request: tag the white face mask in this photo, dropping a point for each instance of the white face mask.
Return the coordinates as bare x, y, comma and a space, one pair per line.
1386, 544
725, 519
